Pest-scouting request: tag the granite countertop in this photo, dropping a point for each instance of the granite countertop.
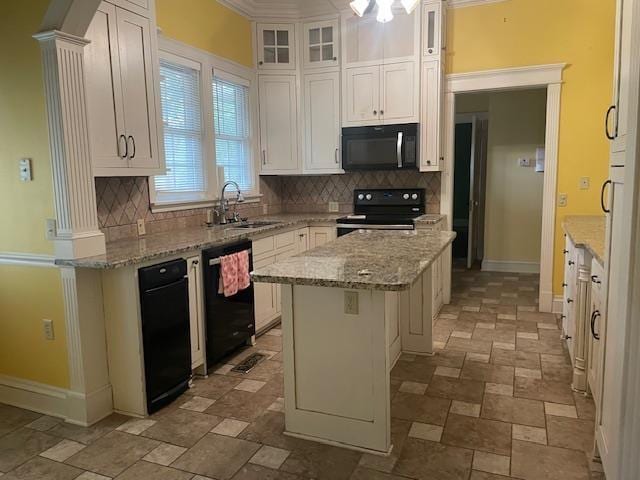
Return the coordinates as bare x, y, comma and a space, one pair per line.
428, 219
366, 259
587, 231
132, 251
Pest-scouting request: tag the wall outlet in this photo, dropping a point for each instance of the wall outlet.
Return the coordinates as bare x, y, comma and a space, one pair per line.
351, 303
265, 209
334, 206
47, 328
50, 229
142, 229
25, 170
584, 183
562, 199
524, 162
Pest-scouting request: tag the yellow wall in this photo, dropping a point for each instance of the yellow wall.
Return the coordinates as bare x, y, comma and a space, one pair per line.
533, 32
208, 25
23, 132
28, 295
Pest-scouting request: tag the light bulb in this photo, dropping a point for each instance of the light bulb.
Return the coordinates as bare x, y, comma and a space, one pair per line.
359, 6
409, 5
384, 11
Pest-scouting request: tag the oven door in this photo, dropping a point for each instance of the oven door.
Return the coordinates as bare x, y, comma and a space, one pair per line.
385, 147
345, 228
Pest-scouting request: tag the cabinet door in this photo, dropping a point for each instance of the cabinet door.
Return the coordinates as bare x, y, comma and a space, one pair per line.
136, 65
322, 122
622, 81
104, 95
399, 95
321, 44
363, 95
141, 7
431, 29
302, 240
321, 235
264, 297
596, 327
401, 36
195, 313
362, 39
431, 122
278, 123
276, 46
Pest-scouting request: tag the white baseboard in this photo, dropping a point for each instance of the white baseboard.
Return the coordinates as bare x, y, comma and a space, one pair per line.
510, 267
557, 304
72, 406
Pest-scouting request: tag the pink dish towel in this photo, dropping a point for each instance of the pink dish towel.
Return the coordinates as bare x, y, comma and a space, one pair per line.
244, 279
229, 275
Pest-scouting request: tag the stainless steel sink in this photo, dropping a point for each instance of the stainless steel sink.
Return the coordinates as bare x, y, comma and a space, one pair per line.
250, 225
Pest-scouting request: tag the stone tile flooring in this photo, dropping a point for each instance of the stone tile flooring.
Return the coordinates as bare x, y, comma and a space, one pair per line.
494, 402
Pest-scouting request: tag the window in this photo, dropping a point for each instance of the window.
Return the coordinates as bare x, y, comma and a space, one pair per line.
232, 129
183, 135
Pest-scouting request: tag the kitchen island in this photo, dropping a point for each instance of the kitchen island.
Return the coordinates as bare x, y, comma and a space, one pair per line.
349, 308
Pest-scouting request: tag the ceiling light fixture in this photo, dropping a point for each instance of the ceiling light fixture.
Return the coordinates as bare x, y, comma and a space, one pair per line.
384, 11
409, 5
359, 6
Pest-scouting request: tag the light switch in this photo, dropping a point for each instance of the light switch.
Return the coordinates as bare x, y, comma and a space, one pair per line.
47, 326
334, 206
524, 162
351, 303
142, 229
25, 170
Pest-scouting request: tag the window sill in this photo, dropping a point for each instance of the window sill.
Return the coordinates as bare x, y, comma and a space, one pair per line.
161, 207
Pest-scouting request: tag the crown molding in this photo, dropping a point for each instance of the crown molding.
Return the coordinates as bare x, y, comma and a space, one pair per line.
254, 9
471, 3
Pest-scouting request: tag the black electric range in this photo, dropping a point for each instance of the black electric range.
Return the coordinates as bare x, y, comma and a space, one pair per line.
383, 209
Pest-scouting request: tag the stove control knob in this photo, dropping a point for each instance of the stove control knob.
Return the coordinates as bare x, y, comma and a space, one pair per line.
368, 197
414, 196
405, 196
360, 196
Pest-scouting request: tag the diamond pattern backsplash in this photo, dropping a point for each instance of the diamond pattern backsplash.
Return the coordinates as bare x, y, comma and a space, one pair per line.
123, 200
312, 193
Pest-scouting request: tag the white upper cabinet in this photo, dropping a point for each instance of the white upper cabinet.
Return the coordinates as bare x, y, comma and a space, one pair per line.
278, 124
362, 39
322, 122
401, 36
276, 46
432, 107
399, 93
432, 28
141, 7
321, 47
362, 96
121, 94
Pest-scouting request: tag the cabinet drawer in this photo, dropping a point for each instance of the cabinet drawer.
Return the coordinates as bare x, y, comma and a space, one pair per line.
284, 240
262, 246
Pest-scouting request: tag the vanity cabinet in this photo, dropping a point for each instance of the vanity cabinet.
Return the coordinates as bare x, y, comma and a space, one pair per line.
321, 47
322, 123
278, 106
276, 46
122, 88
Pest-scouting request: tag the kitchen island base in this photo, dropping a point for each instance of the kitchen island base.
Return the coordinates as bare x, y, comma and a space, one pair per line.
337, 365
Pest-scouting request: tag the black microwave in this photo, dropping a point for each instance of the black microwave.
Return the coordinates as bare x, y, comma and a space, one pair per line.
381, 147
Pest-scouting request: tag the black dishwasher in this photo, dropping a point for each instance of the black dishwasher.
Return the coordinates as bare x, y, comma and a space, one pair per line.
164, 304
229, 320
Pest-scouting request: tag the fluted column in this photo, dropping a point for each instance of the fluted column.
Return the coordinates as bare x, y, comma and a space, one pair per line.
580, 351
77, 233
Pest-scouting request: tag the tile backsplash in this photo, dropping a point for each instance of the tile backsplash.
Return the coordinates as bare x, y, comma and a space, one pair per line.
123, 200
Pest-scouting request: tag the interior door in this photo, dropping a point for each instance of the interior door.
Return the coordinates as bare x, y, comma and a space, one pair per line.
363, 94
104, 94
398, 93
134, 42
477, 190
278, 123
322, 118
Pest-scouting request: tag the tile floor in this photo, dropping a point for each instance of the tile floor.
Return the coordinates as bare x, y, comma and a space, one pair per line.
494, 402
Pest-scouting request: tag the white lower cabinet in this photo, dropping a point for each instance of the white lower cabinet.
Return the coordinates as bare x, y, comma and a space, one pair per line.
196, 313
276, 248
596, 329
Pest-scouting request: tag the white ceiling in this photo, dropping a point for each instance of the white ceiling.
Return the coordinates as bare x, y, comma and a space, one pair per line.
286, 8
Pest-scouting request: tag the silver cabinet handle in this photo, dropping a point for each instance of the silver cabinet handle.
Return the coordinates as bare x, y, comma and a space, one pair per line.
399, 149
126, 146
264, 157
335, 155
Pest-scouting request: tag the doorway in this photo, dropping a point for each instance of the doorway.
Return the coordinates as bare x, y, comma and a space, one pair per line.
471, 136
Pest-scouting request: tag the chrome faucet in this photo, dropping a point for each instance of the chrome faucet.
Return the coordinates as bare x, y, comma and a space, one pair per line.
224, 203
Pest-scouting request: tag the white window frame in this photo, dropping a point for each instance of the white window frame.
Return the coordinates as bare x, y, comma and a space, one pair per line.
180, 53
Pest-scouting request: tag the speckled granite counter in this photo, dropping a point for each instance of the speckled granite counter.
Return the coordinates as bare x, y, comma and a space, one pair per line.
587, 231
367, 259
428, 219
137, 250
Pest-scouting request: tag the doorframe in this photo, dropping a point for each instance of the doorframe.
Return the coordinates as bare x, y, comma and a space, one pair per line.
535, 76
472, 118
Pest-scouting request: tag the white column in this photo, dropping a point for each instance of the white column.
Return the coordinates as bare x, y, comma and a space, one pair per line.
78, 234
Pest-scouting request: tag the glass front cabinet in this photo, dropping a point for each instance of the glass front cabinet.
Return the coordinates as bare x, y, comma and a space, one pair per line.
321, 44
276, 47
